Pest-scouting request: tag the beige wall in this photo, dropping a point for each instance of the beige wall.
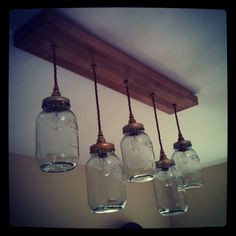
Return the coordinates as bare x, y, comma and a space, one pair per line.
60, 200
207, 206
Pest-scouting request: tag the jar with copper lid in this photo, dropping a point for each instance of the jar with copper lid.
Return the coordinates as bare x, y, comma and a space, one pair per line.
188, 163
169, 188
137, 153
105, 179
57, 142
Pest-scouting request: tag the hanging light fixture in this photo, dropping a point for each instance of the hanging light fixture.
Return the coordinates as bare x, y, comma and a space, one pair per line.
137, 150
168, 182
57, 144
187, 160
104, 172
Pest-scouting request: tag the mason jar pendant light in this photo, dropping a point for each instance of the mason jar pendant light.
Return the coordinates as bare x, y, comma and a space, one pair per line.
57, 144
137, 150
104, 172
168, 182
187, 160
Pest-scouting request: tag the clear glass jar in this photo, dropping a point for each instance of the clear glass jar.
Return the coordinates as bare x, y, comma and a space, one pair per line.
138, 156
170, 192
105, 182
188, 163
57, 142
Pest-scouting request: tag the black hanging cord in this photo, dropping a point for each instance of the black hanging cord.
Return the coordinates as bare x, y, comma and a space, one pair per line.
56, 88
94, 66
177, 122
129, 104
158, 130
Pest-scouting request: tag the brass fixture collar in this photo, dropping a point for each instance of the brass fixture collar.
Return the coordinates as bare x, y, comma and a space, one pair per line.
133, 126
101, 147
182, 145
164, 163
55, 103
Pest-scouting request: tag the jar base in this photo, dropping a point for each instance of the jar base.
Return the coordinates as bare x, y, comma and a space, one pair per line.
193, 186
57, 166
108, 208
141, 178
172, 212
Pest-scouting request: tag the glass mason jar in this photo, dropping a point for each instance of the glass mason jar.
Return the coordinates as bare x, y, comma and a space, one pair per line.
57, 144
170, 191
105, 180
137, 154
188, 163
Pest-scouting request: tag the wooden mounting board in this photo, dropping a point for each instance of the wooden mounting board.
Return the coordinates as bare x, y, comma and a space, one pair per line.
78, 49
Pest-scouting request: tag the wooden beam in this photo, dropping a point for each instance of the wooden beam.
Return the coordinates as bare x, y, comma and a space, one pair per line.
78, 49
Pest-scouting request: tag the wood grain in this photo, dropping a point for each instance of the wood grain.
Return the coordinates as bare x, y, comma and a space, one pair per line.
78, 49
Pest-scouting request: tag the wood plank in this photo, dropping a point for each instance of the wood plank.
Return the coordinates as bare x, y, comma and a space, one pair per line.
78, 49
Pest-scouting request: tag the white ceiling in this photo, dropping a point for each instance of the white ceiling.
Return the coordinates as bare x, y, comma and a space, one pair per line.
187, 45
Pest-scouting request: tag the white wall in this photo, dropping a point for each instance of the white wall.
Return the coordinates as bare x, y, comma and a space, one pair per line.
39, 199
31, 80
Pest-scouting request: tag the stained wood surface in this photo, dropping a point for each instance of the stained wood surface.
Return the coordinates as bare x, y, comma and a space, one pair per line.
78, 49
